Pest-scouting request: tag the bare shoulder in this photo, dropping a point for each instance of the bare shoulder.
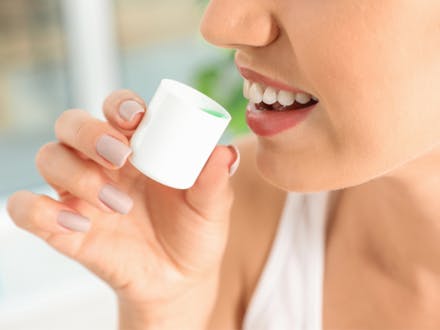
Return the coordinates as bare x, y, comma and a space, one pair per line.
254, 219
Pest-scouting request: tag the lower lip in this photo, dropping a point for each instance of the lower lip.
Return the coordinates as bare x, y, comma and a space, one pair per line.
267, 123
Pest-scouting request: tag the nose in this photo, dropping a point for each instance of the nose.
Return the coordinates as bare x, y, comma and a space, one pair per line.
234, 24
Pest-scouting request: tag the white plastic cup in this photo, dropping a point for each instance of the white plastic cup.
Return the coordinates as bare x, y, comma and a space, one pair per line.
178, 133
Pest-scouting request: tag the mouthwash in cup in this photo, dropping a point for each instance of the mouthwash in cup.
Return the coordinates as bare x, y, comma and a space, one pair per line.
215, 113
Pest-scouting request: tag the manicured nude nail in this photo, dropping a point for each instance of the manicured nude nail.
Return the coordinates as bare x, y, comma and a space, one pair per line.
234, 166
115, 199
73, 221
113, 150
128, 109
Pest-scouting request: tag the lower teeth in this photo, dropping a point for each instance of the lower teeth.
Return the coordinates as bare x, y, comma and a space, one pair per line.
278, 107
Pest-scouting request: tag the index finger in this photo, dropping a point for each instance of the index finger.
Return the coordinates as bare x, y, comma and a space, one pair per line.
94, 138
124, 110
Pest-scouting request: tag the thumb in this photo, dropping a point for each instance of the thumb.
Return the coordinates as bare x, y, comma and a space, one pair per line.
212, 195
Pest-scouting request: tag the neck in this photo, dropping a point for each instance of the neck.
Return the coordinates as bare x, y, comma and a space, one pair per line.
395, 219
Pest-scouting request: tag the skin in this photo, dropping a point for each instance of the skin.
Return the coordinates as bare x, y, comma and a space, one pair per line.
156, 258
373, 139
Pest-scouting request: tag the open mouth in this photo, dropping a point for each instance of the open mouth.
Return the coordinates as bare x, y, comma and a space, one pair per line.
279, 107
269, 98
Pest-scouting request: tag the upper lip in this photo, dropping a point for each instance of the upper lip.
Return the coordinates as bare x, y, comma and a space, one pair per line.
259, 78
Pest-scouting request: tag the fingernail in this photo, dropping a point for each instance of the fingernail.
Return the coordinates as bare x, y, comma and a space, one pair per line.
73, 221
115, 199
128, 109
113, 150
234, 166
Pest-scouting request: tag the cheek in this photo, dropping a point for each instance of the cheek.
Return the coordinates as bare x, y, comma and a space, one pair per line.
378, 103
375, 81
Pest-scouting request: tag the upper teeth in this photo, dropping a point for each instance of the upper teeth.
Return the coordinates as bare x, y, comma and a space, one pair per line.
258, 93
270, 95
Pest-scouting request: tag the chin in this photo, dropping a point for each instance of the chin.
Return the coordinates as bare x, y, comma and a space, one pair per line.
302, 176
288, 178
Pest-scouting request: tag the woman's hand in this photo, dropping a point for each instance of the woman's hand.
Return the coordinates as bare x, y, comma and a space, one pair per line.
151, 243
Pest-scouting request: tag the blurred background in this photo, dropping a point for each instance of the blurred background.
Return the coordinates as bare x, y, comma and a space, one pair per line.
61, 54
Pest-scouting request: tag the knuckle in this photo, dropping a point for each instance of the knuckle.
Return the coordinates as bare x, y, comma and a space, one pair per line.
230, 196
12, 204
64, 120
39, 212
64, 116
80, 134
44, 154
86, 181
35, 208
24, 207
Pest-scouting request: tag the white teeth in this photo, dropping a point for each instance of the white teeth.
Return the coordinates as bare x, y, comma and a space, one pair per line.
256, 93
286, 98
246, 87
303, 98
270, 95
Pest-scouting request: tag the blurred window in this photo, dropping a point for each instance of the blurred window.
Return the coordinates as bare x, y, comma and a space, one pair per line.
160, 39
58, 54
33, 85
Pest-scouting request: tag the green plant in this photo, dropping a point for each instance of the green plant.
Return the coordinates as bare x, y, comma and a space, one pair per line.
221, 81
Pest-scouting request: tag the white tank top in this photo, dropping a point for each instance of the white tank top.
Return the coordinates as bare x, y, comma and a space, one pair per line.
289, 292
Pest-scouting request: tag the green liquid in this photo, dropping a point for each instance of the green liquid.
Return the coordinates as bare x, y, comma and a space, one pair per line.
214, 113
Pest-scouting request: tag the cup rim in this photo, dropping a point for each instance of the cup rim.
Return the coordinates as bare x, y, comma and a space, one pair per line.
167, 82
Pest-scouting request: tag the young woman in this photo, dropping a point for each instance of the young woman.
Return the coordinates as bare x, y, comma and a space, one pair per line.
332, 219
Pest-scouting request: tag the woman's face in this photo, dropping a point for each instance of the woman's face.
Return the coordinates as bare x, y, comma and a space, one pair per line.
374, 65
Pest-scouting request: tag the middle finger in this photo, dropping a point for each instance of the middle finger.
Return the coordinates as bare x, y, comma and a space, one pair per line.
82, 178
